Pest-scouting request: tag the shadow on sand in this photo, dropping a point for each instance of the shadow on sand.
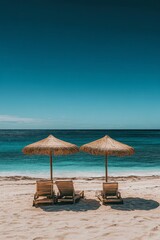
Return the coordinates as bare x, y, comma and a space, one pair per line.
82, 206
131, 204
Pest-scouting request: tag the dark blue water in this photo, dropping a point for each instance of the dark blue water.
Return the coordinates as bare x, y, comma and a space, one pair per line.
146, 160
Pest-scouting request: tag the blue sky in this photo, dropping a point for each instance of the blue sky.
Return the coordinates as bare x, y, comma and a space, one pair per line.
83, 64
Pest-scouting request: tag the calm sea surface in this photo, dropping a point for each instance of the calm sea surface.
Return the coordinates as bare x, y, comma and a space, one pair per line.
146, 160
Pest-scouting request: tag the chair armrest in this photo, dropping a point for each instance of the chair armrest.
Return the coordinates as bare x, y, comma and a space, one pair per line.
118, 194
98, 193
35, 196
82, 194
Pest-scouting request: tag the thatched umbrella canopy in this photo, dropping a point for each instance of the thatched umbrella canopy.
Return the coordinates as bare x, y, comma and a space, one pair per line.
50, 145
108, 147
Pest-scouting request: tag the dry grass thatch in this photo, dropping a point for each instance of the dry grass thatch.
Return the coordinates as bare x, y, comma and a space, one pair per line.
51, 145
107, 146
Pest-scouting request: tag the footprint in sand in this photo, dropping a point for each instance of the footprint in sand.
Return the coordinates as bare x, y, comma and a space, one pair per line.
90, 227
156, 228
113, 225
84, 219
38, 238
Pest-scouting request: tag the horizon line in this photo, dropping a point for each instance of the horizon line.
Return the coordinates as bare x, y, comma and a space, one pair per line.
88, 129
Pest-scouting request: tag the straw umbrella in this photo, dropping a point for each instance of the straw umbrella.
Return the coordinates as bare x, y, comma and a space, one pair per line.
50, 146
108, 147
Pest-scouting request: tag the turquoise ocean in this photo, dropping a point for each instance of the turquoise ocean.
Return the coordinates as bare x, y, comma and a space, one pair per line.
145, 161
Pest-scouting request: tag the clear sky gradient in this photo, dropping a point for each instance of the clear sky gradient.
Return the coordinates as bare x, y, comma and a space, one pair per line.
80, 64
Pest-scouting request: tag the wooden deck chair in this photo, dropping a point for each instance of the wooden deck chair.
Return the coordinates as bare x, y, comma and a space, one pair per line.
67, 192
44, 192
110, 193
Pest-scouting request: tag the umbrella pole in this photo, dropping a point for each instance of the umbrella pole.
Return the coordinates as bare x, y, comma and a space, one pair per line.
106, 162
51, 174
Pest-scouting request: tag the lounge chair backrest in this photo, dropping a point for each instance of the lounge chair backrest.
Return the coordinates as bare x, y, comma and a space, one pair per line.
65, 188
110, 189
44, 187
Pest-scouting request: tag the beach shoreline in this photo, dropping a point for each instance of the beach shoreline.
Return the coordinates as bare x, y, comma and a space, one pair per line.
110, 178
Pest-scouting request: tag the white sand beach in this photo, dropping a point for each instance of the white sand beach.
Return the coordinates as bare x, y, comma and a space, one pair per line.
138, 218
